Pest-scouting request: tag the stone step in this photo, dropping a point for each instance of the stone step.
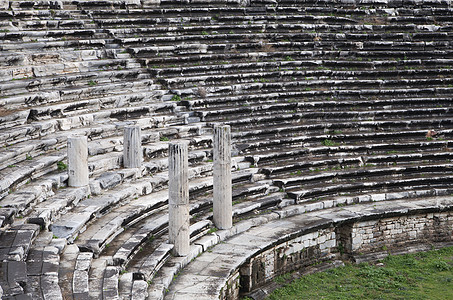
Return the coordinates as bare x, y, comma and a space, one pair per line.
93, 106
13, 278
20, 203
267, 145
50, 35
6, 216
80, 286
110, 140
96, 275
264, 157
255, 205
367, 124
317, 89
272, 141
24, 172
97, 164
16, 242
304, 112
153, 227
83, 59
83, 110
238, 24
94, 207
277, 32
174, 265
77, 79
298, 166
300, 98
42, 272
360, 173
37, 45
268, 81
110, 283
378, 131
243, 42
105, 229
44, 67
61, 128
313, 132
373, 188
267, 51
326, 69
367, 3
115, 97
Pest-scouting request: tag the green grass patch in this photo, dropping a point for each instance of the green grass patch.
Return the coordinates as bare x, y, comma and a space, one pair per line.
425, 275
329, 143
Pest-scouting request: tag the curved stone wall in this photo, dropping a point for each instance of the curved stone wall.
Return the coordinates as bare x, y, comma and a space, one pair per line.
350, 236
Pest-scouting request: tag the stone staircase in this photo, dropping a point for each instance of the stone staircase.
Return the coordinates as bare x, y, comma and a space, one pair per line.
331, 103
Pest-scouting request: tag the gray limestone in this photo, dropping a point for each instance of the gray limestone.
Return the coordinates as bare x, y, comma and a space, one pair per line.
78, 161
222, 189
132, 147
110, 284
178, 202
154, 262
139, 290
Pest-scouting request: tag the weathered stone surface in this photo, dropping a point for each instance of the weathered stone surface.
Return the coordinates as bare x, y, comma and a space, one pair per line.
110, 284
78, 161
153, 262
178, 201
109, 180
139, 290
132, 147
222, 188
50, 287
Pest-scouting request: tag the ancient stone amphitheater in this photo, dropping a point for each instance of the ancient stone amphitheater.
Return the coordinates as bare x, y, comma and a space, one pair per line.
341, 123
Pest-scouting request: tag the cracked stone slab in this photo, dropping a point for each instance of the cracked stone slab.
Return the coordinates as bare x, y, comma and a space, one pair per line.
110, 284
153, 262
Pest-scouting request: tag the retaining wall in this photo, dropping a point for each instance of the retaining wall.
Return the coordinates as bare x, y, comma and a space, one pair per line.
345, 239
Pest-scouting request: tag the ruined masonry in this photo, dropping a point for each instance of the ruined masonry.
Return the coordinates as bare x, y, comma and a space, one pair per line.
222, 198
178, 201
198, 149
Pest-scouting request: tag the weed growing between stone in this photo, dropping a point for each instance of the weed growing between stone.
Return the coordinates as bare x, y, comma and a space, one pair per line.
426, 275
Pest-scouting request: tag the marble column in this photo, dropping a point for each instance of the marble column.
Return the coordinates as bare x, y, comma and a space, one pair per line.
222, 189
178, 201
78, 161
132, 147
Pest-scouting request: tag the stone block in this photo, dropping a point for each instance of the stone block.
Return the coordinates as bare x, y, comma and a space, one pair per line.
4, 4
207, 241
80, 281
50, 287
139, 290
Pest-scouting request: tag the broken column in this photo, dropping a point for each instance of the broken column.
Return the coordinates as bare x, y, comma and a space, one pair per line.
132, 147
178, 201
77, 161
222, 202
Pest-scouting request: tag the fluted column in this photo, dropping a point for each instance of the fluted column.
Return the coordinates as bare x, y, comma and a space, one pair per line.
132, 147
178, 201
77, 161
222, 202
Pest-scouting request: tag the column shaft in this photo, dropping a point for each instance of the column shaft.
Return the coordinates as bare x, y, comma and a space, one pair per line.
222, 202
178, 201
78, 161
132, 147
